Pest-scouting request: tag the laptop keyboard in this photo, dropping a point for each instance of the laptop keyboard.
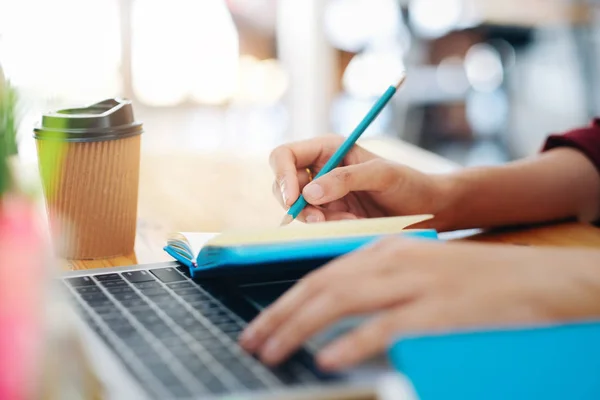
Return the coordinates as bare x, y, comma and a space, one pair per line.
177, 339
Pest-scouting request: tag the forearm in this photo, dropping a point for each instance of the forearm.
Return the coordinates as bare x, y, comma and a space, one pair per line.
558, 184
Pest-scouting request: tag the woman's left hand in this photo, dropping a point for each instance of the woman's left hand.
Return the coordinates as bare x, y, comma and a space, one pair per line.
415, 287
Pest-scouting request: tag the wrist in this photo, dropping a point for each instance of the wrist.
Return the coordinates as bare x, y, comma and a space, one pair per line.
450, 189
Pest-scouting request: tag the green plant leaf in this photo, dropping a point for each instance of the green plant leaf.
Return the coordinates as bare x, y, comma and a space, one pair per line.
8, 131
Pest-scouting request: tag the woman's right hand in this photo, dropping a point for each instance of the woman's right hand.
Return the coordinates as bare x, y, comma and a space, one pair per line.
363, 186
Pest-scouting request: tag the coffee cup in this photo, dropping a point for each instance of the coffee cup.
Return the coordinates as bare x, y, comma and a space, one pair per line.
89, 160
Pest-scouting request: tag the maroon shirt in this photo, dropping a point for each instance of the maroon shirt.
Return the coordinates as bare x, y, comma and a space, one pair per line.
586, 140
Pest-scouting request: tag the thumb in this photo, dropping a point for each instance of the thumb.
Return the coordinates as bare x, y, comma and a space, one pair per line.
375, 175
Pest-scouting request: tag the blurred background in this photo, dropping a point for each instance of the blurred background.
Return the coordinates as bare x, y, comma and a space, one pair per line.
488, 80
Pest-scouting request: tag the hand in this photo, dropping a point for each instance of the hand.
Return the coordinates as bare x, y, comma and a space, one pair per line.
364, 186
416, 287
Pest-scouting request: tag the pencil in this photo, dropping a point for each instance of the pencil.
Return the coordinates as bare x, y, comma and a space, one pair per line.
339, 155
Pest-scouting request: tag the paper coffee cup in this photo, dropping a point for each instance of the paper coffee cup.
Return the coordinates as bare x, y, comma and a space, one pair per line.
89, 160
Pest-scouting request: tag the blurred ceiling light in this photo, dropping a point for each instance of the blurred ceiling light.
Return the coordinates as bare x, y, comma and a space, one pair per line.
484, 67
370, 73
260, 82
62, 49
451, 76
508, 54
487, 112
435, 18
184, 49
351, 24
347, 112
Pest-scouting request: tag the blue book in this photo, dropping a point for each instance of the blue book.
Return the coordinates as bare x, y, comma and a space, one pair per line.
289, 245
549, 362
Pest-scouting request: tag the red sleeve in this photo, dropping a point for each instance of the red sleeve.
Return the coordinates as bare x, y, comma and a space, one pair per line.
586, 140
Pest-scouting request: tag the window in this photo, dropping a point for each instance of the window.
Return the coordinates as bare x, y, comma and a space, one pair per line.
62, 49
180, 61
183, 50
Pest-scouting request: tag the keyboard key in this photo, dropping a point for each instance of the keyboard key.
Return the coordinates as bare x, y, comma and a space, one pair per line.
161, 330
195, 297
167, 275
101, 304
154, 291
214, 385
214, 312
138, 276
251, 382
169, 306
88, 289
181, 285
107, 277
126, 296
115, 283
113, 317
173, 342
229, 327
120, 289
188, 322
179, 391
148, 319
122, 327
93, 297
147, 285
178, 313
81, 281
201, 333
163, 302
134, 303
166, 376
220, 319
188, 290
184, 270
240, 371
193, 364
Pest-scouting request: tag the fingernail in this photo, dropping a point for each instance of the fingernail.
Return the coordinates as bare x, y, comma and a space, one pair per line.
283, 195
311, 219
314, 191
270, 351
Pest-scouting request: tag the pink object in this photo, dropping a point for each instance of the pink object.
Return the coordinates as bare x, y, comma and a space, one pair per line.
22, 280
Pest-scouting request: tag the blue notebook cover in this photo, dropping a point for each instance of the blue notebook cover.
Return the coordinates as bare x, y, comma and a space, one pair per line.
218, 257
550, 362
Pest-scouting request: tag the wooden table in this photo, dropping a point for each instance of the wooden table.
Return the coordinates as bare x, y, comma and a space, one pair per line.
213, 192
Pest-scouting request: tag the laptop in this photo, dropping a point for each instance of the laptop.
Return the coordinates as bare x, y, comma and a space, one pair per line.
153, 332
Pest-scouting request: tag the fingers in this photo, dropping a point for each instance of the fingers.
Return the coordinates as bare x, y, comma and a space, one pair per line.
314, 215
338, 289
376, 335
287, 159
374, 175
311, 215
302, 178
335, 211
347, 298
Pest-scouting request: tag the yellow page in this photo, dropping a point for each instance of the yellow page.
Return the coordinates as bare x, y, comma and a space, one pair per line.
333, 229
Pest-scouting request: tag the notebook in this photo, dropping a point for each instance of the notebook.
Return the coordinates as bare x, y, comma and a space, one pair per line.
203, 252
551, 362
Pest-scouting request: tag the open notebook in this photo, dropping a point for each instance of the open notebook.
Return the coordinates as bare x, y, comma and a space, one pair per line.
292, 243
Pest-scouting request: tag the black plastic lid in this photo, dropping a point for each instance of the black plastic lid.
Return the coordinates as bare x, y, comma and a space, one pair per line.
108, 120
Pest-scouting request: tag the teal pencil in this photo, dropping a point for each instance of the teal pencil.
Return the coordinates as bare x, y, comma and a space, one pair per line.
339, 155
